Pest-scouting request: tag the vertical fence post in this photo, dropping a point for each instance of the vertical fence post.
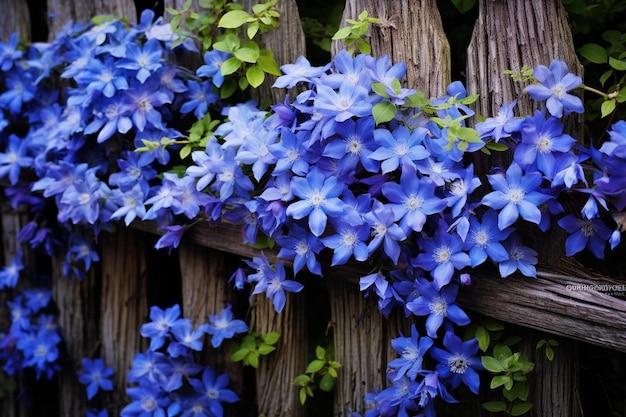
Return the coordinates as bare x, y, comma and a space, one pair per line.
77, 303
206, 291
123, 304
411, 31
508, 35
14, 18
277, 395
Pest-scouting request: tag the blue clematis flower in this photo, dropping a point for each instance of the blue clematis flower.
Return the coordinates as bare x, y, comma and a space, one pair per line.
400, 147
516, 195
442, 255
412, 200
385, 231
224, 326
213, 387
301, 246
96, 376
412, 350
319, 198
275, 285
555, 82
14, 158
159, 328
591, 234
542, 144
521, 258
349, 101
504, 125
438, 304
458, 362
485, 239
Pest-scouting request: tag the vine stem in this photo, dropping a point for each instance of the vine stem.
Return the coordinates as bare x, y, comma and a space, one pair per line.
594, 90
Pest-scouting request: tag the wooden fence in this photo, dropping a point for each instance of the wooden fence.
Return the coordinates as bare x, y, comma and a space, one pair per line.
104, 311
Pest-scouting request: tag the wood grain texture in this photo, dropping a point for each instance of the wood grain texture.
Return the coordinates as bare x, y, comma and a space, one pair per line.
360, 346
77, 304
277, 395
544, 303
124, 306
14, 18
412, 32
62, 11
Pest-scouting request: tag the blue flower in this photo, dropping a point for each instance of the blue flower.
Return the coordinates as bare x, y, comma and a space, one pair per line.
290, 153
353, 144
412, 350
224, 326
318, 199
10, 274
213, 60
144, 60
521, 258
207, 164
160, 326
347, 241
592, 234
199, 97
385, 231
350, 101
185, 337
213, 388
299, 72
144, 102
9, 52
400, 147
14, 158
301, 246
147, 402
515, 195
275, 284
412, 200
458, 362
96, 376
504, 125
442, 255
437, 304
485, 239
542, 142
555, 82
41, 351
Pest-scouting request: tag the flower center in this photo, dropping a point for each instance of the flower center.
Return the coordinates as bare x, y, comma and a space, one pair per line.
438, 307
442, 254
410, 353
293, 155
587, 229
458, 188
348, 239
402, 150
515, 195
316, 199
414, 202
481, 238
544, 144
458, 364
301, 248
558, 90
516, 254
354, 145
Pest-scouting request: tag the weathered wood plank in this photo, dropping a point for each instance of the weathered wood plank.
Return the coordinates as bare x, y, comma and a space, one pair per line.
543, 303
14, 18
410, 31
60, 12
123, 304
277, 395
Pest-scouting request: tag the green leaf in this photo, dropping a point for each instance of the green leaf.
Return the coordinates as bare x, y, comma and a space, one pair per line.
255, 76
185, 151
483, 338
594, 53
327, 383
267, 62
302, 395
380, 89
230, 66
252, 30
549, 352
234, 19
332, 372
250, 55
492, 364
501, 380
383, 111
521, 408
253, 359
302, 380
342, 33
604, 77
239, 355
494, 406
320, 353
266, 349
364, 47
271, 338
617, 64
228, 88
607, 107
314, 366
498, 147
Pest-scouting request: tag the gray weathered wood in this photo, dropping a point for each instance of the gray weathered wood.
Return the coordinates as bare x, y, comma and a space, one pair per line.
123, 305
14, 18
543, 303
277, 395
410, 31
62, 11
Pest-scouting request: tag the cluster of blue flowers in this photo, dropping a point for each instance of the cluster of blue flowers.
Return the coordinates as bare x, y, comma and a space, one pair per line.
167, 380
92, 125
32, 340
